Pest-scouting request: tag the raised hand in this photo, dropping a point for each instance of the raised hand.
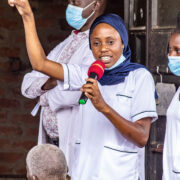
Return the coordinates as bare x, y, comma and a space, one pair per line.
35, 50
22, 6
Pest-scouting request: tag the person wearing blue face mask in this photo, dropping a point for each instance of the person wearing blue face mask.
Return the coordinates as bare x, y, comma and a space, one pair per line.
74, 15
81, 14
171, 151
58, 108
174, 54
116, 120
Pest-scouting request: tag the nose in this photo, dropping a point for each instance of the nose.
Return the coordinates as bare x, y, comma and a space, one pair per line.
104, 47
172, 53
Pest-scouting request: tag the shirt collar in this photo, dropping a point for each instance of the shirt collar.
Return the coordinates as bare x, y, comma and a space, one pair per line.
80, 34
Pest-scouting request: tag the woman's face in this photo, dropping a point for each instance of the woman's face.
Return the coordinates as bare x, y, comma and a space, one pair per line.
174, 45
106, 44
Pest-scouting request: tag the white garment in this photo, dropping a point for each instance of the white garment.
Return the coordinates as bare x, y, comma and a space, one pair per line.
171, 152
141, 159
165, 93
64, 103
101, 152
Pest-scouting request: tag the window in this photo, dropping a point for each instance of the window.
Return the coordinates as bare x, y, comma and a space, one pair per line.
164, 13
137, 13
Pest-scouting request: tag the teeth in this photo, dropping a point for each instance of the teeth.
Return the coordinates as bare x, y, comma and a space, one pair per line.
105, 58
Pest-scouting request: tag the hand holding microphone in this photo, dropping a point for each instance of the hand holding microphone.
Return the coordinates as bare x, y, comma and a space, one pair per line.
95, 71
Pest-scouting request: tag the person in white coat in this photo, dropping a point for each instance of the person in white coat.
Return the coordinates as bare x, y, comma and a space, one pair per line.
117, 118
59, 107
171, 152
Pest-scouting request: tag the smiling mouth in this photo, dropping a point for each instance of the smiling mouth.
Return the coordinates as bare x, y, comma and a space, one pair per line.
106, 59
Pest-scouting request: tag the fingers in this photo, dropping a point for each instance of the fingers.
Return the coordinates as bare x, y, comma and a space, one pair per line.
91, 80
90, 89
13, 3
87, 89
88, 95
22, 6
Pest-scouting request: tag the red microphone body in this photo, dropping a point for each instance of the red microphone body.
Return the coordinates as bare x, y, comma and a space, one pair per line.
96, 71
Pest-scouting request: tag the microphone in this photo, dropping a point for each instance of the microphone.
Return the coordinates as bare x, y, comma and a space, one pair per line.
96, 71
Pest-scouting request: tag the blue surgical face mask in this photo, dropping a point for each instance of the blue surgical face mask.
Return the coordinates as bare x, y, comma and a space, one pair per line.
74, 16
119, 61
174, 64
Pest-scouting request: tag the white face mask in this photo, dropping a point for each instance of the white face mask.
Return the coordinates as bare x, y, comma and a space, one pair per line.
74, 16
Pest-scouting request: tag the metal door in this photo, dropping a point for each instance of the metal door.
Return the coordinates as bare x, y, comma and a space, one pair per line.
150, 23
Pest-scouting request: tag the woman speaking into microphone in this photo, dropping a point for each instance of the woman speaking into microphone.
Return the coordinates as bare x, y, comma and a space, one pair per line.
117, 117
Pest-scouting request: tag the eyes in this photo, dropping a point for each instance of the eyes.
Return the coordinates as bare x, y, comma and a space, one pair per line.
75, 2
98, 43
175, 51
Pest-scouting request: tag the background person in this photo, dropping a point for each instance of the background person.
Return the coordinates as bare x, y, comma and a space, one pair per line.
60, 107
111, 133
171, 152
46, 162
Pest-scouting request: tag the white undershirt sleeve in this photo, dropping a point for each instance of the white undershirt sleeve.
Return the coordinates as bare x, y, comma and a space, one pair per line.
74, 76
